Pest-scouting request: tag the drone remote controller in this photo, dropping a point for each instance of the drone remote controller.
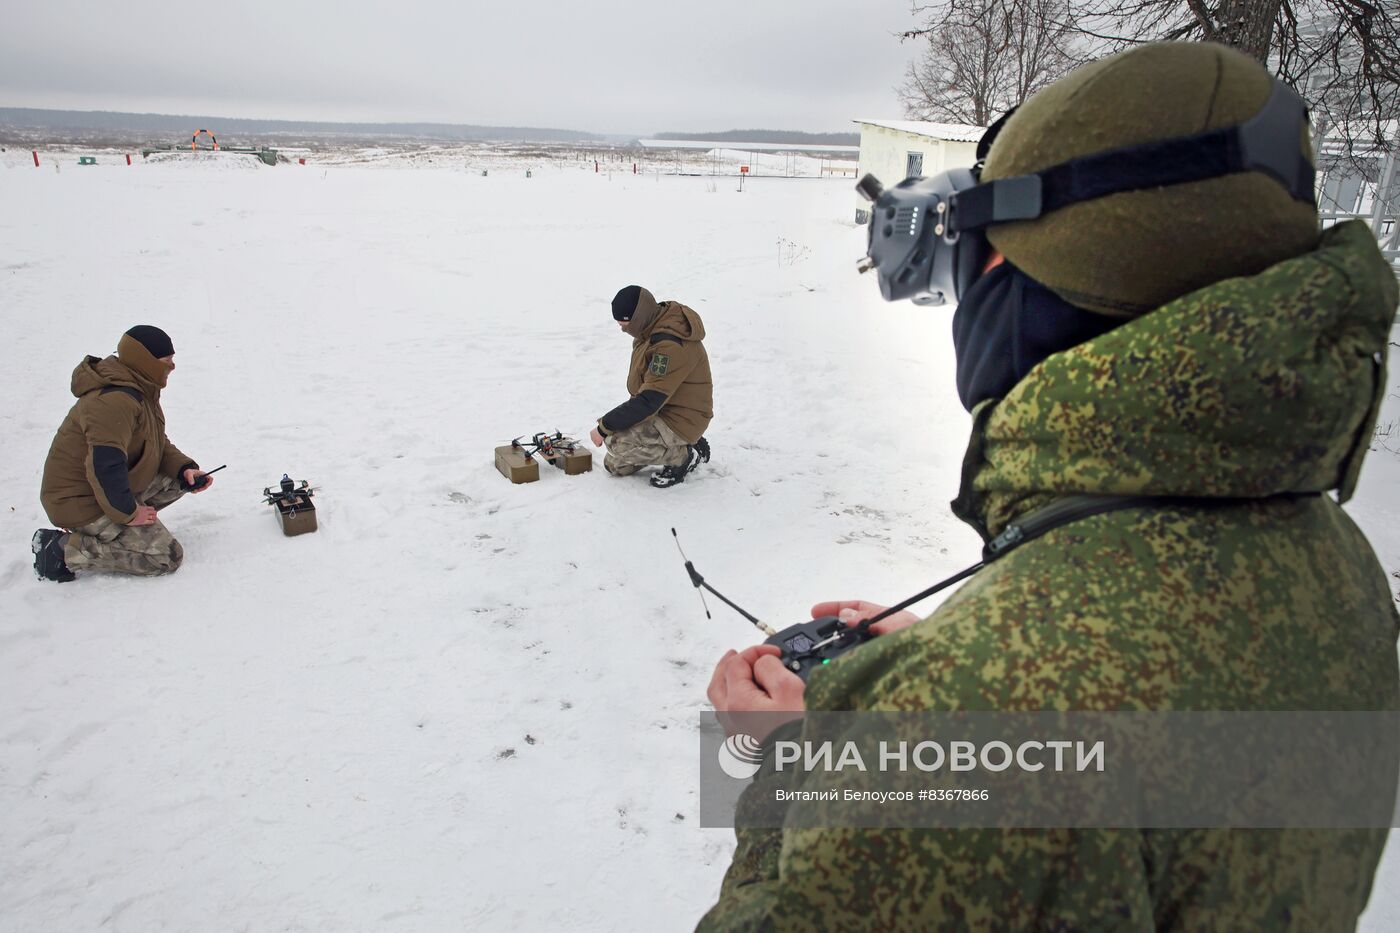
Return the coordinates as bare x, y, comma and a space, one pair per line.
809, 645
805, 646
201, 481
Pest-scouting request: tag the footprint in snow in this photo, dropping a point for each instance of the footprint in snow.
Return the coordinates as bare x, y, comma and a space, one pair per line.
14, 573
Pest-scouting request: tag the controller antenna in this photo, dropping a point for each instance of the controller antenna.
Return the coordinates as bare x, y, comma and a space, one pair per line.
699, 583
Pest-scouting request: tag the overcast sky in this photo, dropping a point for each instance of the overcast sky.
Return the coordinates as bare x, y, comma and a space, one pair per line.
610, 66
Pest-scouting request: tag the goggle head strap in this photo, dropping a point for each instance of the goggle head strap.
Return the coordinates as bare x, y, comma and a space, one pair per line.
1268, 142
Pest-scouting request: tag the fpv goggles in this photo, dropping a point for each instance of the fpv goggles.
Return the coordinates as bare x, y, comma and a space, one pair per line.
928, 237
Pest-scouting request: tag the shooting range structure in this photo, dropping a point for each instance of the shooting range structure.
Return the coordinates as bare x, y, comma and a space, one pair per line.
264, 154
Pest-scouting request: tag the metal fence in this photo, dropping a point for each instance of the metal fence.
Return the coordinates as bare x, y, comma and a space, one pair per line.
1369, 192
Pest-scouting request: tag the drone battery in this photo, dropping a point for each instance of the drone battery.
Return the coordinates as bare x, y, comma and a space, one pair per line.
514, 467
296, 515
573, 462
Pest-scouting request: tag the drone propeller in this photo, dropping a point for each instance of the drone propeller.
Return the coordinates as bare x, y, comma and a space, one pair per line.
544, 444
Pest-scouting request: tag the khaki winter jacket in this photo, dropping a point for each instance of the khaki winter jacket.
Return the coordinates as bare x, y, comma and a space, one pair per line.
112, 444
669, 377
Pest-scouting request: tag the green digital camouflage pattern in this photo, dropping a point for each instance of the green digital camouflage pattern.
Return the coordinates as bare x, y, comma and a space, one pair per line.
1246, 388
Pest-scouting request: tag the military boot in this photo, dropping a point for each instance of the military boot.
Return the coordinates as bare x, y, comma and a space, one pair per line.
47, 546
696, 453
672, 475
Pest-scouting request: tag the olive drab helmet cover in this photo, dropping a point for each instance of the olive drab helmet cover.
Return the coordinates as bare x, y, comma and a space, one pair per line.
1128, 183
1129, 252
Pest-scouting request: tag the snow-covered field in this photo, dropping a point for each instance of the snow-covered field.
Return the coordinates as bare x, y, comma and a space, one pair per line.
462, 703
475, 158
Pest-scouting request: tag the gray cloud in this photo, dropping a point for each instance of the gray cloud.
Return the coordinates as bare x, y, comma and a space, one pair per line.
605, 65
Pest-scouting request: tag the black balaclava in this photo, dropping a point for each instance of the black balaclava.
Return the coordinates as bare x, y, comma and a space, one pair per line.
1006, 324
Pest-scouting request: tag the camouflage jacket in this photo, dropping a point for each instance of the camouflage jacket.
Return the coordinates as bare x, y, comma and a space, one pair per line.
1246, 388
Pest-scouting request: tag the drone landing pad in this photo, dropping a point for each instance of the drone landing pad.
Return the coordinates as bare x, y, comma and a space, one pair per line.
514, 467
573, 462
296, 515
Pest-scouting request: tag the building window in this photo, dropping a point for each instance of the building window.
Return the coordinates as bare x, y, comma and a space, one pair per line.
914, 166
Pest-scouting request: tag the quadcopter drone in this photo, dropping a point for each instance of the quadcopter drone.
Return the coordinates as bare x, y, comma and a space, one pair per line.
547, 446
292, 505
288, 492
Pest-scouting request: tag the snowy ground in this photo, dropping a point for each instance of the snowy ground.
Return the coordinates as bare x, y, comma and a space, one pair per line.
462, 703
474, 158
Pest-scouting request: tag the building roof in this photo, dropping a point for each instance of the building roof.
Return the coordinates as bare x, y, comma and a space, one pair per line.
749, 147
953, 132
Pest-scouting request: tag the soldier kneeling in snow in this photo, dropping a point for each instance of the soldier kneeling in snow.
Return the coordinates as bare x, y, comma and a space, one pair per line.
111, 468
672, 401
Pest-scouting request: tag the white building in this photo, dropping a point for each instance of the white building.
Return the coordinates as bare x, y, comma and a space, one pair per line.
893, 150
1365, 186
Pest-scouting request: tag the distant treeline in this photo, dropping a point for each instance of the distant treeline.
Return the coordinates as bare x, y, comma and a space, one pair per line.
782, 137
179, 127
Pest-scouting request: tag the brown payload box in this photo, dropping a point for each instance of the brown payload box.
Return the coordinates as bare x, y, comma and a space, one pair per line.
514, 467
296, 515
573, 462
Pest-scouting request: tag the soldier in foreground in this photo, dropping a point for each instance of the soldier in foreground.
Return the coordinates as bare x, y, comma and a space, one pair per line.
111, 468
1189, 338
672, 395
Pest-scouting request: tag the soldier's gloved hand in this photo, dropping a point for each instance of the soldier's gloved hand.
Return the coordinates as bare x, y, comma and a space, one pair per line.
755, 681
596, 437
192, 483
145, 515
855, 611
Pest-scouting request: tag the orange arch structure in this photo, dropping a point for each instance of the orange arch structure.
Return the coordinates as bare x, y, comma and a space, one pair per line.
194, 140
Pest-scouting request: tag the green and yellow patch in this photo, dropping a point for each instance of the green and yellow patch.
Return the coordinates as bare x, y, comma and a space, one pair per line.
659, 363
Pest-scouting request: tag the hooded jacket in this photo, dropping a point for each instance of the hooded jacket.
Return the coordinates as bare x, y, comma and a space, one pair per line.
669, 377
112, 444
1250, 387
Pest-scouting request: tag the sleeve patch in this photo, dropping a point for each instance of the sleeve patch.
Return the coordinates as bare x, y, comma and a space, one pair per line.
660, 362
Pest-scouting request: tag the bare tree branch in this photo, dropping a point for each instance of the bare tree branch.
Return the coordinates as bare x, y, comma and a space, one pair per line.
983, 56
